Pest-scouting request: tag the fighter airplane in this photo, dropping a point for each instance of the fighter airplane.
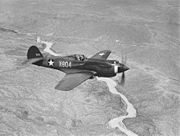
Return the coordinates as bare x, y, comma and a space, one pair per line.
77, 67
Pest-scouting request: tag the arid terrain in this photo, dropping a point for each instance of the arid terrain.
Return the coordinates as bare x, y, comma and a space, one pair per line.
146, 31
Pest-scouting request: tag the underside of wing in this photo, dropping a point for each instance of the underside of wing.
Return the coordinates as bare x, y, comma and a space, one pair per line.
102, 55
73, 71
71, 81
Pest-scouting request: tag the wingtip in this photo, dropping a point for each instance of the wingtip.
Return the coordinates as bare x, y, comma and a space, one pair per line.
62, 89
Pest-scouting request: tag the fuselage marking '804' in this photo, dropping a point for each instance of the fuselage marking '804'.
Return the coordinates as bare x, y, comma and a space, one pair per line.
66, 64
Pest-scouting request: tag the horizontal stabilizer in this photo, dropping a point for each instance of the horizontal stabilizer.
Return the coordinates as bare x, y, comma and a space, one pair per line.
32, 61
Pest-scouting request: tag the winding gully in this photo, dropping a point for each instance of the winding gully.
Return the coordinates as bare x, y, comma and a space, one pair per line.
113, 123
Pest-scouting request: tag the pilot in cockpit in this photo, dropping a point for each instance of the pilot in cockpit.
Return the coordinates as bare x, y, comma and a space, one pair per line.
81, 57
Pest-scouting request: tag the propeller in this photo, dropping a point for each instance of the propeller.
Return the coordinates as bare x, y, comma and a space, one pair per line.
122, 79
124, 59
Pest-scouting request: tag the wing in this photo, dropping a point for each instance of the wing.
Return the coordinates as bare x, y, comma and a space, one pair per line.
71, 81
102, 55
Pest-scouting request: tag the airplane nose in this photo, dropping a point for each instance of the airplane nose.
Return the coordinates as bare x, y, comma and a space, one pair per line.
125, 68
122, 68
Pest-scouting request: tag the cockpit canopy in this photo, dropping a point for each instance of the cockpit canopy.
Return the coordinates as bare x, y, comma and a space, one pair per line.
116, 62
79, 57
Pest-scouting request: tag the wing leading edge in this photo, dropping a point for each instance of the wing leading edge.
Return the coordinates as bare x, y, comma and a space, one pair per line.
71, 81
103, 55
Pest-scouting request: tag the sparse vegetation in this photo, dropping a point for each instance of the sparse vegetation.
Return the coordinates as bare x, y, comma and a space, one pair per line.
148, 32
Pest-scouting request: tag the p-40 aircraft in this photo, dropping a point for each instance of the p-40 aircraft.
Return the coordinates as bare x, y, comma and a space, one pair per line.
77, 67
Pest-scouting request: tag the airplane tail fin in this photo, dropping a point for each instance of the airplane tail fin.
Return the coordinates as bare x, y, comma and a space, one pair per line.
33, 52
34, 56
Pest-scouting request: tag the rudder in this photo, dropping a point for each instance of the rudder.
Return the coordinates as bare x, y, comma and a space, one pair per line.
33, 52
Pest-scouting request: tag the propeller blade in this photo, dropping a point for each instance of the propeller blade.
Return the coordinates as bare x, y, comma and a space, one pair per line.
125, 59
122, 59
123, 79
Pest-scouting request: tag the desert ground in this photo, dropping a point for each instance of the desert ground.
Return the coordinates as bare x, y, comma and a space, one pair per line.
146, 31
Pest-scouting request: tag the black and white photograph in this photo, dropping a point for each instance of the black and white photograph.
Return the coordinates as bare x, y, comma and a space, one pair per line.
89, 68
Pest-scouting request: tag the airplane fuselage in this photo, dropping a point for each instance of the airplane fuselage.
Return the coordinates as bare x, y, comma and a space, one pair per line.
101, 68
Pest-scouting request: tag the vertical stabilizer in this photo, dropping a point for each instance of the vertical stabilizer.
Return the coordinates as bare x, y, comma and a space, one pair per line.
34, 52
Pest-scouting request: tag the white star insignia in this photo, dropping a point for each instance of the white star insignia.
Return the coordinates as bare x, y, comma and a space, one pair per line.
50, 62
